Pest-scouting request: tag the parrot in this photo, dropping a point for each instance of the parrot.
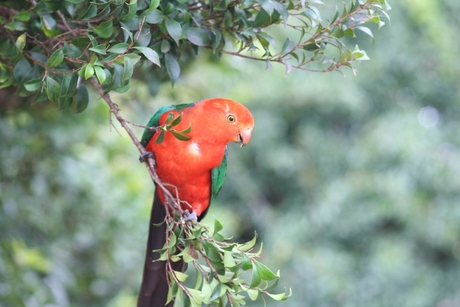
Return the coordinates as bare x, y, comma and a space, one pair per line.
192, 166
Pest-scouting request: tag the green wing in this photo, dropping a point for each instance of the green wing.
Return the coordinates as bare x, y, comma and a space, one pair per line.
218, 176
155, 120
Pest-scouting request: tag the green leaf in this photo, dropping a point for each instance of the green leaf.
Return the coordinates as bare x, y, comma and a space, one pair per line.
180, 136
196, 298
186, 130
123, 88
53, 5
105, 29
225, 278
128, 65
21, 42
89, 71
90, 12
229, 261
186, 255
274, 283
288, 46
105, 11
174, 29
197, 36
339, 33
169, 8
75, 1
176, 121
217, 226
33, 85
65, 102
100, 74
22, 16
143, 37
367, 31
56, 58
175, 258
172, 67
150, 54
132, 8
160, 138
281, 296
6, 80
266, 40
207, 288
217, 38
349, 32
129, 34
246, 263
169, 118
82, 98
282, 10
253, 294
267, 5
180, 276
249, 245
264, 272
154, 17
119, 48
133, 57
65, 84
262, 19
69, 85
255, 277
165, 46
100, 49
311, 45
153, 4
16, 26
172, 241
21, 69
169, 297
359, 55
52, 89
211, 252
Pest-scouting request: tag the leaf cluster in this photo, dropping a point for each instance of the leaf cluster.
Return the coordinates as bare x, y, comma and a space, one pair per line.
169, 125
48, 48
220, 267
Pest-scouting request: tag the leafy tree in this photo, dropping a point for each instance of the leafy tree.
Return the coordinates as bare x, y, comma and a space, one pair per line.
51, 49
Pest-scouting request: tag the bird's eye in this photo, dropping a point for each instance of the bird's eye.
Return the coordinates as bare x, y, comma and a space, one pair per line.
231, 118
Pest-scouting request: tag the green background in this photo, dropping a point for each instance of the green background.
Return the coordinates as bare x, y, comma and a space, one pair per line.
352, 183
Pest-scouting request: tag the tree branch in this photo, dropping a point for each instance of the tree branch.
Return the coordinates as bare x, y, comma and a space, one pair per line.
171, 201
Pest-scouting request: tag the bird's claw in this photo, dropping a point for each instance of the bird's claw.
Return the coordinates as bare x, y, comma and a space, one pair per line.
145, 156
189, 216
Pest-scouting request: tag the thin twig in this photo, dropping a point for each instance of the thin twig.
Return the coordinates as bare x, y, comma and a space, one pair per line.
64, 21
171, 201
141, 126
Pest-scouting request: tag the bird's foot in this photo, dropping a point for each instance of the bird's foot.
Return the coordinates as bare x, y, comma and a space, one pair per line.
189, 216
145, 156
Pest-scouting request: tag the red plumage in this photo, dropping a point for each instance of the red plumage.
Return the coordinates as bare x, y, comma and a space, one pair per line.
186, 165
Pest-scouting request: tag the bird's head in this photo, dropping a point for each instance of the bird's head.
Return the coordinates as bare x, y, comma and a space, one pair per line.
232, 121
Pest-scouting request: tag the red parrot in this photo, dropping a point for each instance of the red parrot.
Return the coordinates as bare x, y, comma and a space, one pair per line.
193, 168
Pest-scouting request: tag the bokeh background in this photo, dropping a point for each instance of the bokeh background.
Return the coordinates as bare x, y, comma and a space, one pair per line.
352, 183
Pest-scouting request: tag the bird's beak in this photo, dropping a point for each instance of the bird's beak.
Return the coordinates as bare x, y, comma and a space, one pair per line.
244, 136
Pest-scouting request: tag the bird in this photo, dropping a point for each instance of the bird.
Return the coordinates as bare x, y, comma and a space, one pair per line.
191, 162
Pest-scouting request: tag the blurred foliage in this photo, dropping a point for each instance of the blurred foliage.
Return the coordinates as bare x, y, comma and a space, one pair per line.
48, 48
352, 183
62, 235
